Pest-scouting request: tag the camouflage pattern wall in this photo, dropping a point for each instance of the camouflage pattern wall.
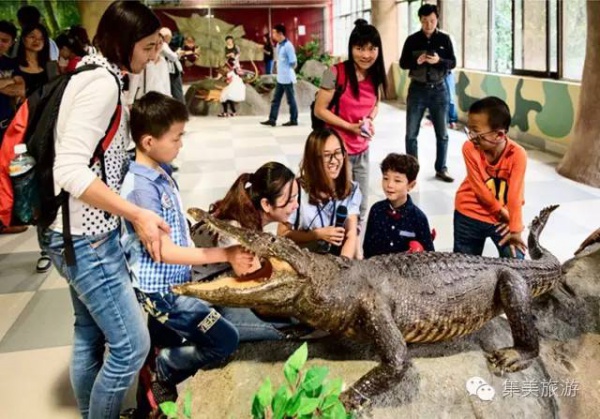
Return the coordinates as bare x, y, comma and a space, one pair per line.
543, 110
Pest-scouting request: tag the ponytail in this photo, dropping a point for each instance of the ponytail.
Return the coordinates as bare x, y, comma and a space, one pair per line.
238, 204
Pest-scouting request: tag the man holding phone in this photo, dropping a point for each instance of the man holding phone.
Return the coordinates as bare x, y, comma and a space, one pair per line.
428, 55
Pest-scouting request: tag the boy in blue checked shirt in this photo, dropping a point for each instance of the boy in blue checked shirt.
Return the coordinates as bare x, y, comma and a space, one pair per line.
157, 124
396, 224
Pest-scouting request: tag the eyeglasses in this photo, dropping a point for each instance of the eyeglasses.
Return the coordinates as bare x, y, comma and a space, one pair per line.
473, 136
337, 154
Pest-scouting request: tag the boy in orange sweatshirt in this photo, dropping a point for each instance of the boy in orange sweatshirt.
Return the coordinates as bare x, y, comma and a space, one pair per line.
489, 201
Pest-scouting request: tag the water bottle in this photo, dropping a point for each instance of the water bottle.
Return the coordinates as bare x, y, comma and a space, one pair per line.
25, 188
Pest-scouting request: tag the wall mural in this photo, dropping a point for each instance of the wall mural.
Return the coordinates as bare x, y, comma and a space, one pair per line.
210, 37
543, 110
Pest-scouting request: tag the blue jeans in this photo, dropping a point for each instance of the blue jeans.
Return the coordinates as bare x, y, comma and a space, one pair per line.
269, 67
106, 314
360, 174
280, 89
250, 327
210, 337
421, 97
470, 236
451, 86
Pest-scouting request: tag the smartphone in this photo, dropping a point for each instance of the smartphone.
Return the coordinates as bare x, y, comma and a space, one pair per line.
430, 52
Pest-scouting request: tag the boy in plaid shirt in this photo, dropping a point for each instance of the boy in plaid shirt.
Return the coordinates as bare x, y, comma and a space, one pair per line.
157, 124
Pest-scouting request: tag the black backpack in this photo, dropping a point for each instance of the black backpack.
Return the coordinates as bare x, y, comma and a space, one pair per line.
334, 105
34, 125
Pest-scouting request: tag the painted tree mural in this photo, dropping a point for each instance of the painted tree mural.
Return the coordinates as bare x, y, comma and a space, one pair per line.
57, 14
582, 160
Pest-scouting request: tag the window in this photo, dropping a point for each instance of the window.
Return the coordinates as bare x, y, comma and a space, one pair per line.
573, 38
345, 12
476, 35
502, 37
535, 34
452, 22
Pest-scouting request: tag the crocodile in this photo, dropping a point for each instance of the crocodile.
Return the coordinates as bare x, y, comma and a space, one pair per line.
390, 300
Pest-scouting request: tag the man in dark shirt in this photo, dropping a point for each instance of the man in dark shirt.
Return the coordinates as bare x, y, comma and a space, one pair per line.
11, 86
429, 56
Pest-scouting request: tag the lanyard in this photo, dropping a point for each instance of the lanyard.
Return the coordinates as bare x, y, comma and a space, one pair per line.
320, 214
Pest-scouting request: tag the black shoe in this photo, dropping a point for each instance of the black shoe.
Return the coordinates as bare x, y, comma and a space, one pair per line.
269, 123
290, 124
444, 176
43, 264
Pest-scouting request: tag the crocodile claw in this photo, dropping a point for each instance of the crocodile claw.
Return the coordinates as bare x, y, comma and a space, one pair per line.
509, 360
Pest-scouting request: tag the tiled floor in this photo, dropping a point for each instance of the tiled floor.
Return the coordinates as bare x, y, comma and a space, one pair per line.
35, 311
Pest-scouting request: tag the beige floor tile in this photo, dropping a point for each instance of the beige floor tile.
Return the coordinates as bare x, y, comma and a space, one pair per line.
11, 306
35, 384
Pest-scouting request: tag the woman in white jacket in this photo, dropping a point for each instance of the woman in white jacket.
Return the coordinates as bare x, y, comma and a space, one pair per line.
106, 311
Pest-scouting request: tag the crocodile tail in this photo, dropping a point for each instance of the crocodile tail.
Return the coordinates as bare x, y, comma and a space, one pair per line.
536, 251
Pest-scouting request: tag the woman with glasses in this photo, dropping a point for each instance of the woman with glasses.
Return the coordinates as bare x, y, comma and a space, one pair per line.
360, 79
326, 186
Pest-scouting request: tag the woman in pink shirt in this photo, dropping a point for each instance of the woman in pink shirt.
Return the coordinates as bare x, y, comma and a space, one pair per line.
359, 81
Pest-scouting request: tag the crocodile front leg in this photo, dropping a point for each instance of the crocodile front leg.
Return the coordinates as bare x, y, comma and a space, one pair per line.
377, 322
515, 297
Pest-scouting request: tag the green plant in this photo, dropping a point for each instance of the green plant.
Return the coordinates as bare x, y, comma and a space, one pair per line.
171, 410
312, 51
305, 395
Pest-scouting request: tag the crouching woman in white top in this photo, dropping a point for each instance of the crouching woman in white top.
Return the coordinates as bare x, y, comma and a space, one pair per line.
106, 311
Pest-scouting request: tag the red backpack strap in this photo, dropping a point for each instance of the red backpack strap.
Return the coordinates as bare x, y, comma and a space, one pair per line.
341, 75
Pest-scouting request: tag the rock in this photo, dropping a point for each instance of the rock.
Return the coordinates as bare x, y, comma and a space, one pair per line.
434, 384
202, 98
313, 69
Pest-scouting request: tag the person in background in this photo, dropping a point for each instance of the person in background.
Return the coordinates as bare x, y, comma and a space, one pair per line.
268, 54
35, 65
428, 55
189, 52
175, 68
232, 53
29, 15
71, 50
286, 78
81, 34
364, 78
326, 186
396, 224
12, 88
36, 69
235, 91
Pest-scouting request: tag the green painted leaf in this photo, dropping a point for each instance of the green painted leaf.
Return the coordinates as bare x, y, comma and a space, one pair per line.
169, 409
258, 411
298, 358
308, 405
333, 387
329, 401
293, 404
291, 375
337, 411
314, 378
187, 405
279, 401
265, 393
